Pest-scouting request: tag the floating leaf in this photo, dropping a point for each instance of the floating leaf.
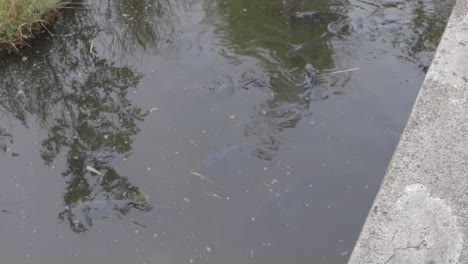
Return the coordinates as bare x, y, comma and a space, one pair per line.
141, 197
93, 170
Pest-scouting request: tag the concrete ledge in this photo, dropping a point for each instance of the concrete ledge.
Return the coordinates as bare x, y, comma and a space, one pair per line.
420, 214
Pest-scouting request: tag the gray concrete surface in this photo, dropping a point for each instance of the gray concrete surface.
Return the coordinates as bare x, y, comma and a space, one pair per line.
420, 214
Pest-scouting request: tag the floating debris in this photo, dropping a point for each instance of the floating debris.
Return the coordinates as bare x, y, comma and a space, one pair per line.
93, 170
343, 71
203, 177
213, 195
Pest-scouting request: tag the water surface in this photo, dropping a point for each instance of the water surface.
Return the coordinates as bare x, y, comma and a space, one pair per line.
236, 114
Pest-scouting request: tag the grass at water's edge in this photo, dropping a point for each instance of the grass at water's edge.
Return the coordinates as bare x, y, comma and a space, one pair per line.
22, 20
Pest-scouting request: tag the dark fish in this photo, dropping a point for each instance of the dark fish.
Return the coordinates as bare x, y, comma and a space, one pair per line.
228, 153
105, 208
106, 155
82, 214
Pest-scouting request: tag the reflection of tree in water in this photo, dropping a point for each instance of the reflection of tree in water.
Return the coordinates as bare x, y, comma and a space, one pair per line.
4, 136
428, 25
412, 28
81, 101
292, 42
130, 24
89, 196
133, 26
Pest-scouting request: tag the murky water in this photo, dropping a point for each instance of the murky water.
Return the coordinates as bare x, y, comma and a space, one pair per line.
238, 119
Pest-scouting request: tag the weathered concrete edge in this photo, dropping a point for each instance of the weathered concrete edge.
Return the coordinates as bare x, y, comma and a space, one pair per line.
420, 214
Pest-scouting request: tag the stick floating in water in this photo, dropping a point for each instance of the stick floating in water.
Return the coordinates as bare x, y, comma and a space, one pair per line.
347, 70
203, 177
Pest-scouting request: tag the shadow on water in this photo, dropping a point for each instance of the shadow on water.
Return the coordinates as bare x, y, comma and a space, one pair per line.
273, 157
